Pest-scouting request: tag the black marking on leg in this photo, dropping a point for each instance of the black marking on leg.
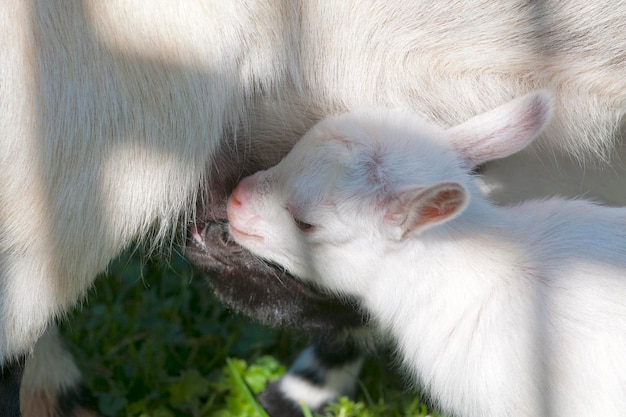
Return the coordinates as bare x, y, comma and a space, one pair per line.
326, 354
10, 380
332, 352
322, 373
276, 404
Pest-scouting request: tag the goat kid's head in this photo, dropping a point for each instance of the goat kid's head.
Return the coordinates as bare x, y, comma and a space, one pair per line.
356, 182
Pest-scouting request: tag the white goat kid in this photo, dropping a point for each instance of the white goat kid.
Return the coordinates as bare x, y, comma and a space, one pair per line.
496, 311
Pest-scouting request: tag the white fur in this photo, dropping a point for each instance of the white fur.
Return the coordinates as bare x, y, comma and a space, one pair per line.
111, 111
496, 311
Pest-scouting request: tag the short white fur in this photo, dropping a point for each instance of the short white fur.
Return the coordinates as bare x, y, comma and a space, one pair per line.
495, 311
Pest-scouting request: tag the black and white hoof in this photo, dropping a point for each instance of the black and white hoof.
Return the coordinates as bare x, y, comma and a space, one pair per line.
322, 373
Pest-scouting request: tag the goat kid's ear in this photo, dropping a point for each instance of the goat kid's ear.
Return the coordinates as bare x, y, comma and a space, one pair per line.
417, 209
504, 130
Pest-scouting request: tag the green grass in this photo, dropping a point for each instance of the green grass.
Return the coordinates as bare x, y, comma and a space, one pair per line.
152, 341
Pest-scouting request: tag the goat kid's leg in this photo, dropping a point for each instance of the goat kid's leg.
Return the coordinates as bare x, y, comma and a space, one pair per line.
322, 373
52, 384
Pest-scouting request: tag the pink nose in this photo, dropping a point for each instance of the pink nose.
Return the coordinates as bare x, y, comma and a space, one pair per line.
239, 196
235, 200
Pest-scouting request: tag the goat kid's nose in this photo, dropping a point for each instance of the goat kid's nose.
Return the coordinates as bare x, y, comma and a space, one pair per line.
240, 195
235, 199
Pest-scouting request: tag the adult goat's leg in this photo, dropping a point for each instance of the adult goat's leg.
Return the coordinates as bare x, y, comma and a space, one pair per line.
52, 384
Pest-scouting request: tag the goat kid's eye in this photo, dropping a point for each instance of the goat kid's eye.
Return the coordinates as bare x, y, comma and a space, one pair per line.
303, 226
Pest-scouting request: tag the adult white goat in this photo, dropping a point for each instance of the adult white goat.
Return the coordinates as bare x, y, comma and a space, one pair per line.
496, 311
112, 111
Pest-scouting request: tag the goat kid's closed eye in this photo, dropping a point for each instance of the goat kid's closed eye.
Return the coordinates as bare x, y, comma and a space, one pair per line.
303, 226
300, 224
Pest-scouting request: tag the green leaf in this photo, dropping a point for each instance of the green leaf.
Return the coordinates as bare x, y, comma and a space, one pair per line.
191, 386
234, 368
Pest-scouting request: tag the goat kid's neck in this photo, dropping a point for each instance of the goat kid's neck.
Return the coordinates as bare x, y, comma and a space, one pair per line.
450, 273
454, 295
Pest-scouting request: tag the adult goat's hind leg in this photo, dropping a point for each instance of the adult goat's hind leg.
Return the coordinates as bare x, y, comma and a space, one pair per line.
52, 384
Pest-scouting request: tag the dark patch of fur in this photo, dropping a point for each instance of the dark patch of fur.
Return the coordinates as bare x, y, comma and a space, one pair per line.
333, 352
276, 404
10, 380
264, 292
330, 352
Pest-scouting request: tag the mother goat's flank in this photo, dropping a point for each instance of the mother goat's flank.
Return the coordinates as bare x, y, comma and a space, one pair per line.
495, 310
115, 114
